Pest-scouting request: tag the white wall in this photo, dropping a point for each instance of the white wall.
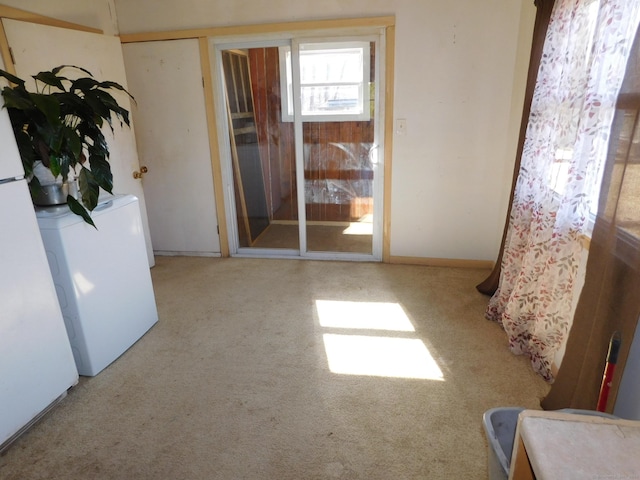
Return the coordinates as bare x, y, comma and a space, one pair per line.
99, 14
452, 172
459, 82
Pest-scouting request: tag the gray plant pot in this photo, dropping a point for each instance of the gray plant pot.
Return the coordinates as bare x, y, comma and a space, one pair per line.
53, 193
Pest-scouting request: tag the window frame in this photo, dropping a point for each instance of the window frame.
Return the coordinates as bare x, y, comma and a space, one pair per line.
286, 84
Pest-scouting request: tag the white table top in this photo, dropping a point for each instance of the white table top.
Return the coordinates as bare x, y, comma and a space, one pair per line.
568, 446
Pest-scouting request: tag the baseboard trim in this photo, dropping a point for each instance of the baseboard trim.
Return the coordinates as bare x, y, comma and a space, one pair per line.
441, 262
393, 259
169, 253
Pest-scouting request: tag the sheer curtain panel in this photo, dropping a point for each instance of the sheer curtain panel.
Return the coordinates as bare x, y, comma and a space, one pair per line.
581, 70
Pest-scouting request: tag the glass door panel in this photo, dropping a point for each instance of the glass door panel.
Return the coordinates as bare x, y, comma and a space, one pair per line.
337, 98
262, 151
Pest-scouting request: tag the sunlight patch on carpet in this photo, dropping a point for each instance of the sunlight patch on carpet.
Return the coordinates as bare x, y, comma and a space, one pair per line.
383, 355
380, 357
363, 315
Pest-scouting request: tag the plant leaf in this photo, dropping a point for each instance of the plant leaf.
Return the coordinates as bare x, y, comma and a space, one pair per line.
89, 188
73, 142
98, 144
34, 187
62, 67
101, 171
41, 151
95, 100
12, 78
117, 86
27, 153
54, 165
48, 105
50, 78
83, 84
78, 209
18, 99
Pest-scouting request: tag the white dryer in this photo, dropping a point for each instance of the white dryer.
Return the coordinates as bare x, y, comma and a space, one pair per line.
102, 278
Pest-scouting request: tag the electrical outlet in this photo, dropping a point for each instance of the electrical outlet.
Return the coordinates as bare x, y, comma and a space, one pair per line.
401, 126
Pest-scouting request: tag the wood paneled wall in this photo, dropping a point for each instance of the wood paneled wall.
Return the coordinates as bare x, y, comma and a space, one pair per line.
324, 159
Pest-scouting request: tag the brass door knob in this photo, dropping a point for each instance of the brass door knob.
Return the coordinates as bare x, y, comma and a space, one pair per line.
142, 171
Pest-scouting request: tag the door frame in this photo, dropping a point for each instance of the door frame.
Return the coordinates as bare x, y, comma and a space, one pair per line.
220, 44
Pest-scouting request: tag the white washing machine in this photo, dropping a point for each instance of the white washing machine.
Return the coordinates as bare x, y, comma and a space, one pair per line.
102, 278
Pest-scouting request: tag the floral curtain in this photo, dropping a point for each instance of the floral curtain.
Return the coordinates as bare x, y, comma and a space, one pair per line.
543, 15
580, 73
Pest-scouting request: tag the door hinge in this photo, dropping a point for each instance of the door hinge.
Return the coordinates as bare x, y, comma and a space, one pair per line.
13, 59
218, 229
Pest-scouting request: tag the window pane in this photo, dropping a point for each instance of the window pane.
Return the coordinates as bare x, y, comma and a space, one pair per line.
331, 66
331, 99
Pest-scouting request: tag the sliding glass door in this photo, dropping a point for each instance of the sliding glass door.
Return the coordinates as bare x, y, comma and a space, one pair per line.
300, 156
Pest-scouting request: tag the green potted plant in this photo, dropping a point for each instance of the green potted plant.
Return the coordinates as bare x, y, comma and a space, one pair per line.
58, 130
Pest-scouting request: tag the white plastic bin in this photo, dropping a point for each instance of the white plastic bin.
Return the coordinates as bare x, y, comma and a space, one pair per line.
500, 428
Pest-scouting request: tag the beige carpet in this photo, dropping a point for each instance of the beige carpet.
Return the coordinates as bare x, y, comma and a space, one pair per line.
235, 382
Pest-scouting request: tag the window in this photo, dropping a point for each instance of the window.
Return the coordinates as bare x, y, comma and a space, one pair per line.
621, 167
334, 82
622, 175
559, 173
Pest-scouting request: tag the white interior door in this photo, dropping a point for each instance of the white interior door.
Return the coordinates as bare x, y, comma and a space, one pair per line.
166, 80
38, 48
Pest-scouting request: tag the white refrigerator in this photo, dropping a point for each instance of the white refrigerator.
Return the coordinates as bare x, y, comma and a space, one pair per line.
36, 362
